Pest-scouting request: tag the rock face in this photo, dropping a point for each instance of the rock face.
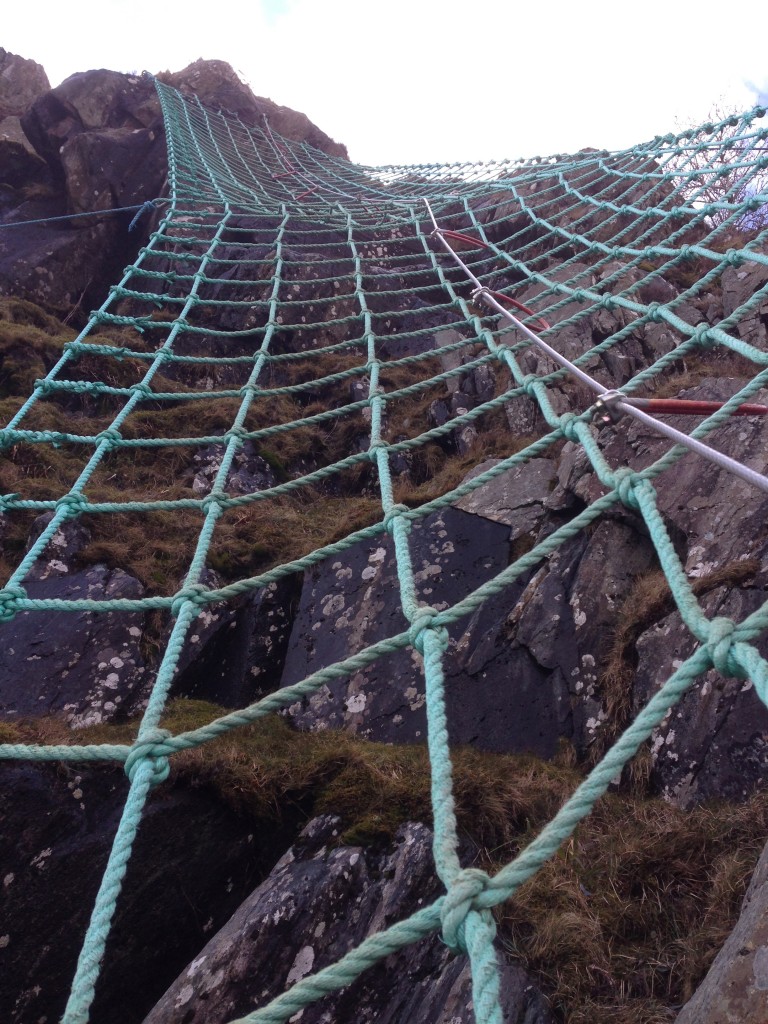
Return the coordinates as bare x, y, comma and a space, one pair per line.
96, 142
328, 899
193, 864
353, 600
96, 660
21, 83
735, 990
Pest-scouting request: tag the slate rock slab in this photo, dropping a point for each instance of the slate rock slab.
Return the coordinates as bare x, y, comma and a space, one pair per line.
80, 665
515, 497
352, 600
320, 901
234, 656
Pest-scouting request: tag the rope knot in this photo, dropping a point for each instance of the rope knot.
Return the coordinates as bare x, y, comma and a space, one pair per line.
459, 901
391, 515
141, 389
423, 620
528, 384
734, 258
195, 593
72, 504
238, 434
145, 748
212, 502
702, 336
10, 602
654, 312
625, 482
721, 647
567, 423
110, 435
608, 302
8, 501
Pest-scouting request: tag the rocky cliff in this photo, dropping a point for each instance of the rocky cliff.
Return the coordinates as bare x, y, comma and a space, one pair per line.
273, 851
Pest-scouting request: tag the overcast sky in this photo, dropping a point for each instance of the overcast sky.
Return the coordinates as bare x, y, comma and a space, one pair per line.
410, 81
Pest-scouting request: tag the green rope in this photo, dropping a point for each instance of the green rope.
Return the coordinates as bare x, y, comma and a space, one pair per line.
272, 254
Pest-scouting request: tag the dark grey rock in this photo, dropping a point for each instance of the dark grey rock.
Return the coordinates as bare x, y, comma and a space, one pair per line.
438, 413
714, 743
352, 600
465, 438
193, 862
249, 472
532, 656
113, 167
19, 164
85, 666
235, 656
89, 101
498, 696
61, 268
320, 901
515, 498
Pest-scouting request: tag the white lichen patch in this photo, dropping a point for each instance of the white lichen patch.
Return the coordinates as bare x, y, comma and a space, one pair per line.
302, 965
39, 861
356, 703
184, 996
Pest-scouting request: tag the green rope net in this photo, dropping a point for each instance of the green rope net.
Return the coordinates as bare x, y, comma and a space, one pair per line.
250, 217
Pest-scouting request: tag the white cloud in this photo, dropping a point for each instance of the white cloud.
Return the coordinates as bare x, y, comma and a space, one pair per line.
422, 80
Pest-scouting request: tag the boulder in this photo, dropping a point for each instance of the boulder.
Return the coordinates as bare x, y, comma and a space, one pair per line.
22, 81
20, 166
216, 85
320, 901
89, 101
96, 142
113, 167
235, 656
60, 268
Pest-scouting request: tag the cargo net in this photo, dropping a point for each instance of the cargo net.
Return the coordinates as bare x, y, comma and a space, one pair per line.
277, 273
